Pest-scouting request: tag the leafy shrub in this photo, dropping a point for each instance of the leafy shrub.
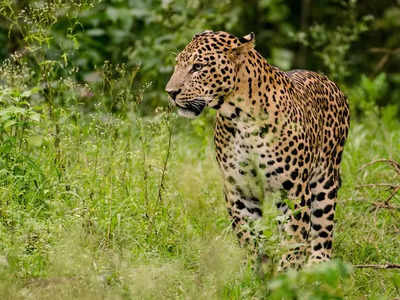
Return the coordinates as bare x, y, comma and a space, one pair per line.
318, 282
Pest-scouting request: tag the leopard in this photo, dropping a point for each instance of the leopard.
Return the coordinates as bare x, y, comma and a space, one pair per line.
275, 132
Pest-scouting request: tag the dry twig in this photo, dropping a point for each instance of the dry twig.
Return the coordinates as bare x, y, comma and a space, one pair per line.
385, 266
392, 162
385, 205
388, 185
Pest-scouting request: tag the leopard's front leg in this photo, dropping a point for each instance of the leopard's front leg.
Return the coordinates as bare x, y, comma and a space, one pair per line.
295, 226
244, 213
241, 188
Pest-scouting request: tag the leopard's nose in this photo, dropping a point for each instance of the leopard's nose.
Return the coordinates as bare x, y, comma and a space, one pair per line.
173, 93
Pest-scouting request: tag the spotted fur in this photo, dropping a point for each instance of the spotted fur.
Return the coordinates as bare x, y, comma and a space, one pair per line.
275, 131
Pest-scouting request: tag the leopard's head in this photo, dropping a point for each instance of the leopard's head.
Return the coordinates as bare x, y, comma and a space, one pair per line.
205, 71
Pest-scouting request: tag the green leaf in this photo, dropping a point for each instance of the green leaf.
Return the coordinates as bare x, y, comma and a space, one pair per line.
34, 116
95, 32
9, 123
35, 140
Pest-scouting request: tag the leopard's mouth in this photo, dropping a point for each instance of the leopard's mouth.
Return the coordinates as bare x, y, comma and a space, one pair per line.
191, 109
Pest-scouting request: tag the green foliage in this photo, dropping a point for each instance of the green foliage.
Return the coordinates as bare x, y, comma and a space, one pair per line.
332, 45
146, 35
320, 282
90, 224
141, 33
365, 96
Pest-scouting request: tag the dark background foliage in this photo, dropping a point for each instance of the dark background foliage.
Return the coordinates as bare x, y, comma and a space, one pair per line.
344, 39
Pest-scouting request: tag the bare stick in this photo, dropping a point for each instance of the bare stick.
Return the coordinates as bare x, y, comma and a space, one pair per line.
385, 266
395, 190
393, 186
384, 205
385, 50
393, 163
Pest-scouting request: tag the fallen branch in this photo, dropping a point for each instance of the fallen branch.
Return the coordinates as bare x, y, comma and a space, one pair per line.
385, 266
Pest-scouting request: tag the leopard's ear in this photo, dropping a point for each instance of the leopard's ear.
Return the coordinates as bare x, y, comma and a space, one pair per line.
248, 39
246, 43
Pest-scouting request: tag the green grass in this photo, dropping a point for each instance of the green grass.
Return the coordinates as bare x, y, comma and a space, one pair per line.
82, 218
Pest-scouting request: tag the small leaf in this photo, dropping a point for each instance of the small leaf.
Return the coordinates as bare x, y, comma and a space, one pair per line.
34, 116
35, 140
9, 123
95, 32
26, 94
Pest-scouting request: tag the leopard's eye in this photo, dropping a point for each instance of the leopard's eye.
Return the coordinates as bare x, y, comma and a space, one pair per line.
197, 67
